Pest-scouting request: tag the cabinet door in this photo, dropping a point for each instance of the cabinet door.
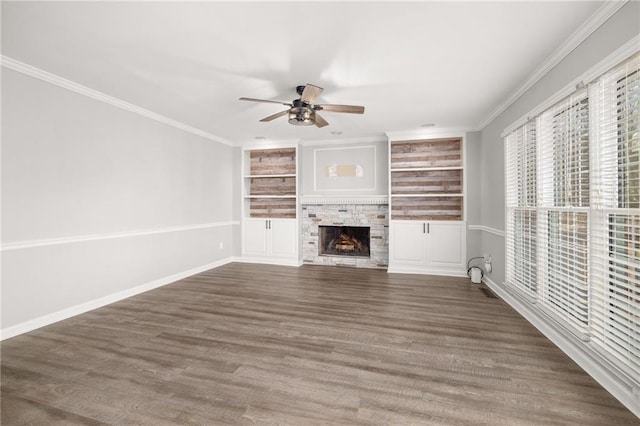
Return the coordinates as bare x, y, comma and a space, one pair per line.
255, 237
446, 243
284, 237
407, 241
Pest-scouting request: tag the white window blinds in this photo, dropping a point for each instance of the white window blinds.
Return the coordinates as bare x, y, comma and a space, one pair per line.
521, 207
615, 261
564, 210
573, 213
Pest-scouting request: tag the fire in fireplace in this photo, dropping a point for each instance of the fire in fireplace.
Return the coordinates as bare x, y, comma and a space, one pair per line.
344, 241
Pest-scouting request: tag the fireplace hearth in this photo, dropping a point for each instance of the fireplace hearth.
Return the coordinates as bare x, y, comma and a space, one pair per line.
344, 241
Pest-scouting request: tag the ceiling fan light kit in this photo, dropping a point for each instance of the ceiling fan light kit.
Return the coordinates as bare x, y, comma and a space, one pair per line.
302, 116
302, 111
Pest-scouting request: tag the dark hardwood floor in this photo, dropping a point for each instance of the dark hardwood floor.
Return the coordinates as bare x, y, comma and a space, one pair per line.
256, 344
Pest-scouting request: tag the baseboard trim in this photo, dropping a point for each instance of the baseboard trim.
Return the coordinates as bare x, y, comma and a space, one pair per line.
54, 317
268, 261
589, 360
421, 271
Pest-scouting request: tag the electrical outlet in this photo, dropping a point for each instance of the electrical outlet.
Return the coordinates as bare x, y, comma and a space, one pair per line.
221, 245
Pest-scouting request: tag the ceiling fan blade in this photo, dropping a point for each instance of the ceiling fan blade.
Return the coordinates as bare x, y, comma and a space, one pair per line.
266, 100
320, 122
310, 93
276, 115
351, 109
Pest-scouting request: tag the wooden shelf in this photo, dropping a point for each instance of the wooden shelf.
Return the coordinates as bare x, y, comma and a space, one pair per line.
270, 196
427, 179
425, 195
422, 169
269, 176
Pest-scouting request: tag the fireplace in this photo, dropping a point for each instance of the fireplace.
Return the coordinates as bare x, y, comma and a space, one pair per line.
344, 241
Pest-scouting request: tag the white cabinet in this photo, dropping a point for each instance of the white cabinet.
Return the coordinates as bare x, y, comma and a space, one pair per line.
427, 247
282, 237
270, 240
254, 241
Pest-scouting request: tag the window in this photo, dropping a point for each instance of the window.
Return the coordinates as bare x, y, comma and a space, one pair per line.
521, 208
574, 248
564, 174
615, 265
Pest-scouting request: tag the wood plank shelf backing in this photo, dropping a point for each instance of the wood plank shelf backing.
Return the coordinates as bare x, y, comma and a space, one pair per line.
430, 153
427, 179
272, 185
273, 161
281, 208
426, 182
427, 208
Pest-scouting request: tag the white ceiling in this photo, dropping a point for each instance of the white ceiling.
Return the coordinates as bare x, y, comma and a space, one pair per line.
448, 63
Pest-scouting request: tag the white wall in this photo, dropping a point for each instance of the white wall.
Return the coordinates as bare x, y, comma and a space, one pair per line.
98, 201
473, 192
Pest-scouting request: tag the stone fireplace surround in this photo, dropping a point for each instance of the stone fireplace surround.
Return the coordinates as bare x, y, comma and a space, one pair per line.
373, 212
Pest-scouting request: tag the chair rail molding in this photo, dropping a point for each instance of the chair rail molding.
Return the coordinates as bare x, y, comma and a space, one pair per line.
111, 235
490, 230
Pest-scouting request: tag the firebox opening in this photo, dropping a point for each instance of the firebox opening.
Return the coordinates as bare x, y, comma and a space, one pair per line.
344, 241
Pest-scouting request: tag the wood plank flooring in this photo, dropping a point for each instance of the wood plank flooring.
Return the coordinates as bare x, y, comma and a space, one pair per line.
257, 344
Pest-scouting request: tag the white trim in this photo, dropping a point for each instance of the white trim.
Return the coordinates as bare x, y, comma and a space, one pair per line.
111, 235
54, 317
423, 270
623, 52
432, 133
590, 361
267, 144
34, 72
282, 261
355, 199
362, 140
606, 11
494, 231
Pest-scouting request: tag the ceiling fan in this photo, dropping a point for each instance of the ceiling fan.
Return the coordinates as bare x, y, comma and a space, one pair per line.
303, 111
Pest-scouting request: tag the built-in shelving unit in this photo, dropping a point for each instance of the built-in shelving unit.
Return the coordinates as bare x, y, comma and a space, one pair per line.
427, 179
427, 232
271, 182
270, 231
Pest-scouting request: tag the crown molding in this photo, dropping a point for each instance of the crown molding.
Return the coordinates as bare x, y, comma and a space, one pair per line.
427, 133
606, 11
619, 55
48, 77
344, 141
